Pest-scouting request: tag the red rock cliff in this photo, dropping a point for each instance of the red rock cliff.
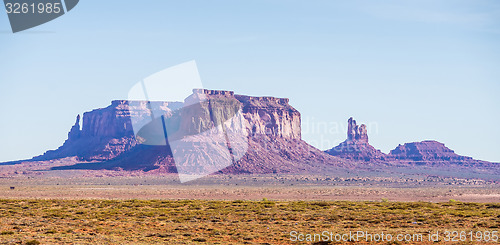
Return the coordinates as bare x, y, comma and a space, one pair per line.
107, 132
356, 146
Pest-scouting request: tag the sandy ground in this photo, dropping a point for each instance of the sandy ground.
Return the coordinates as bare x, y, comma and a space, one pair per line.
33, 180
244, 188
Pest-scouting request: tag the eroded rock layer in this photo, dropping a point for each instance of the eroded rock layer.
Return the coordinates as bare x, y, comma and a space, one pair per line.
356, 146
271, 125
431, 152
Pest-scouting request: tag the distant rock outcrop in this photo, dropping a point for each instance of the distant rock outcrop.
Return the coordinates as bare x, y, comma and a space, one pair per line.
356, 133
430, 152
356, 147
272, 128
75, 133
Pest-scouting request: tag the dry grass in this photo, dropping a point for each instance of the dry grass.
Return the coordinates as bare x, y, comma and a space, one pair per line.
226, 222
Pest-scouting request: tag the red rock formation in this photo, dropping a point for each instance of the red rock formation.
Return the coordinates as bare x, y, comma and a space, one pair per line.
75, 133
283, 155
107, 138
106, 133
355, 132
424, 151
430, 152
271, 116
273, 127
356, 147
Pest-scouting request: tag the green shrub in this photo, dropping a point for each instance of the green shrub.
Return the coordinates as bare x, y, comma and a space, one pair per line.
32, 242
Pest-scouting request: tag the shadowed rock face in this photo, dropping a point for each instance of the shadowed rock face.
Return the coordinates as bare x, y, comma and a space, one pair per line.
107, 132
272, 126
106, 138
75, 132
356, 147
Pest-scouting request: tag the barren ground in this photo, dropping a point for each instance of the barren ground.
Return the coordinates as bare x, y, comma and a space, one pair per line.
249, 187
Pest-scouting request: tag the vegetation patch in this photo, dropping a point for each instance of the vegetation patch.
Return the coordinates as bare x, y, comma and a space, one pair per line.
227, 222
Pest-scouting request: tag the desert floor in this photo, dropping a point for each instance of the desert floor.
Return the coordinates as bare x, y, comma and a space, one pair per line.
244, 222
92, 208
250, 187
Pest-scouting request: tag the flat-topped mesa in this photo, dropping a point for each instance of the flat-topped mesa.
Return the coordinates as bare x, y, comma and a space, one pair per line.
115, 120
266, 99
108, 132
265, 116
245, 99
428, 150
271, 116
356, 146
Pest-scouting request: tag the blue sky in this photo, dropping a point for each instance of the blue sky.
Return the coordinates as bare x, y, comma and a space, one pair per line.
411, 70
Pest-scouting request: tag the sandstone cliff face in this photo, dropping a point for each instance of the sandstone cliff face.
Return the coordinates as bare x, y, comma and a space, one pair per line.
272, 126
107, 132
272, 131
356, 147
263, 116
115, 120
271, 116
